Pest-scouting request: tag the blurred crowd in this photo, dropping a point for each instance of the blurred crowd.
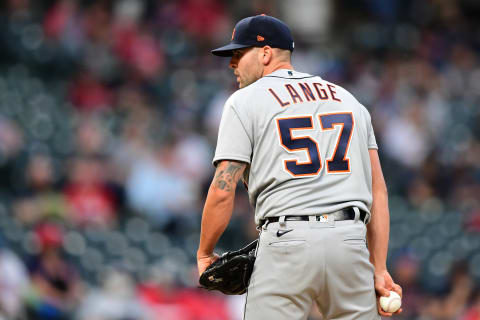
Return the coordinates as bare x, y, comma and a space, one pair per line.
108, 120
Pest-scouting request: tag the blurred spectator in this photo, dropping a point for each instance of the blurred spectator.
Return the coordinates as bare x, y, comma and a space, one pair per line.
90, 137
473, 312
89, 198
157, 189
11, 145
405, 139
473, 221
167, 301
115, 300
61, 24
135, 141
452, 305
55, 287
39, 197
407, 274
139, 51
98, 22
202, 18
14, 284
196, 168
88, 93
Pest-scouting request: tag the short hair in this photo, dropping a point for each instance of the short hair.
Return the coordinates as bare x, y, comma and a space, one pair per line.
283, 55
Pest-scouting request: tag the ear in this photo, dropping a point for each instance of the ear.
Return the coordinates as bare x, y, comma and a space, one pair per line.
266, 55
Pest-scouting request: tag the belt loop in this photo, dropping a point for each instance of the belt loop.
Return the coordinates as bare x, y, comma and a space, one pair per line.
264, 225
281, 220
357, 213
368, 216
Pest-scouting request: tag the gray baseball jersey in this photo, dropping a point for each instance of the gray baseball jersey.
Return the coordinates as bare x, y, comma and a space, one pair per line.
306, 141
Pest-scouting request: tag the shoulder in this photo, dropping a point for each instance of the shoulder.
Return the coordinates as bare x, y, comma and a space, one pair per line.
239, 96
347, 96
237, 105
350, 101
244, 98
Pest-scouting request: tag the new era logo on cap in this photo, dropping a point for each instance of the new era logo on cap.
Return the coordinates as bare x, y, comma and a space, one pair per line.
258, 31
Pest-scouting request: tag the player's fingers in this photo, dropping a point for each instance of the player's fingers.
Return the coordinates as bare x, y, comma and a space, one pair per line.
215, 257
203, 263
399, 311
389, 284
382, 291
201, 268
384, 314
381, 312
398, 289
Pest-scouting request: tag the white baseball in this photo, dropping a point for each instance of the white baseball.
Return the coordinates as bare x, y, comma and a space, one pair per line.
391, 303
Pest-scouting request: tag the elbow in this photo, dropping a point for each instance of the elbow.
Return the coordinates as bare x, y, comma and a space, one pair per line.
220, 197
380, 191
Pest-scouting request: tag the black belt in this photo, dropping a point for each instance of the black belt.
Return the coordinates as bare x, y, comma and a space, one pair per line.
348, 214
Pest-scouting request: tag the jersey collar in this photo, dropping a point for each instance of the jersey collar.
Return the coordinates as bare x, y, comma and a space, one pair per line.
288, 74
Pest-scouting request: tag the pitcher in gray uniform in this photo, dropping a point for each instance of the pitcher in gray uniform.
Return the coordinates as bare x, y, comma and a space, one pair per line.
307, 151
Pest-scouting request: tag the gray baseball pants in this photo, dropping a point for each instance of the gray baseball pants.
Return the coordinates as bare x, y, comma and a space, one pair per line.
326, 262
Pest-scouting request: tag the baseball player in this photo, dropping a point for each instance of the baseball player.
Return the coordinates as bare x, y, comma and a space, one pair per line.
307, 151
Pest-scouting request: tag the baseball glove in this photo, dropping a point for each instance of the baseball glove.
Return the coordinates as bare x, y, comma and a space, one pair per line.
230, 274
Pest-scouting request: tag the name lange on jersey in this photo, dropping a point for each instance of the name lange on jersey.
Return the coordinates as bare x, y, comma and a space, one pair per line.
306, 92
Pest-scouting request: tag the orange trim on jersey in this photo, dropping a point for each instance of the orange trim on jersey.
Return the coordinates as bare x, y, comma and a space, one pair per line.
338, 139
307, 91
294, 96
323, 95
332, 93
299, 149
282, 104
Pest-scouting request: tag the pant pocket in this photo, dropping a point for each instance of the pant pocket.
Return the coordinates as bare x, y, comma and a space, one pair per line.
286, 243
355, 241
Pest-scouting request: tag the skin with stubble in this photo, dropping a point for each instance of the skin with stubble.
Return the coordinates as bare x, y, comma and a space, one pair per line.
250, 64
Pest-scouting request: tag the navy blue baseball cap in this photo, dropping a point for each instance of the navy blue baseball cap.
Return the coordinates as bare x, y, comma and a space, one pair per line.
258, 31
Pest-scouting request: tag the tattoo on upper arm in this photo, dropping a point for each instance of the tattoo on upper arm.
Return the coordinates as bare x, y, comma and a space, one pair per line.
227, 175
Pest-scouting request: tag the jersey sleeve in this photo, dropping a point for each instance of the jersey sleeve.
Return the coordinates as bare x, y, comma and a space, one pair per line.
234, 141
372, 142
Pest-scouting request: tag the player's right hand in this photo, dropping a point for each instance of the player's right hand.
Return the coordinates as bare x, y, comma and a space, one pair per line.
204, 261
383, 285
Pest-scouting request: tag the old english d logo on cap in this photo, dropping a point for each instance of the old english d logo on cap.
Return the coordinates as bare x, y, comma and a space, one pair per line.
233, 34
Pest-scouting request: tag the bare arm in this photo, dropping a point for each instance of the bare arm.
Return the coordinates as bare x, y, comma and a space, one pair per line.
378, 232
218, 209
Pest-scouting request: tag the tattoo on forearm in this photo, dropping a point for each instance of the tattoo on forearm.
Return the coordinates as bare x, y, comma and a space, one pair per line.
227, 178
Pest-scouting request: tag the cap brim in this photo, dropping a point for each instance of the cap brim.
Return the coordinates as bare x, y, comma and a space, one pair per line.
227, 51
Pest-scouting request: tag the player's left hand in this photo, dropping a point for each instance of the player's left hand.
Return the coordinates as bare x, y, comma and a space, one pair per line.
383, 285
204, 261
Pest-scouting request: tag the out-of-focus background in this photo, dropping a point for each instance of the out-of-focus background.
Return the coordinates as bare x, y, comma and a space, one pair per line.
108, 121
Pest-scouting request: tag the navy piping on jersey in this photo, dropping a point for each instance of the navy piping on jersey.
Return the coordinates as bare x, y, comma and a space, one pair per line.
289, 77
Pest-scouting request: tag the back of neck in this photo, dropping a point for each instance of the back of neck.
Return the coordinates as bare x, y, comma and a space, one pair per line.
272, 68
